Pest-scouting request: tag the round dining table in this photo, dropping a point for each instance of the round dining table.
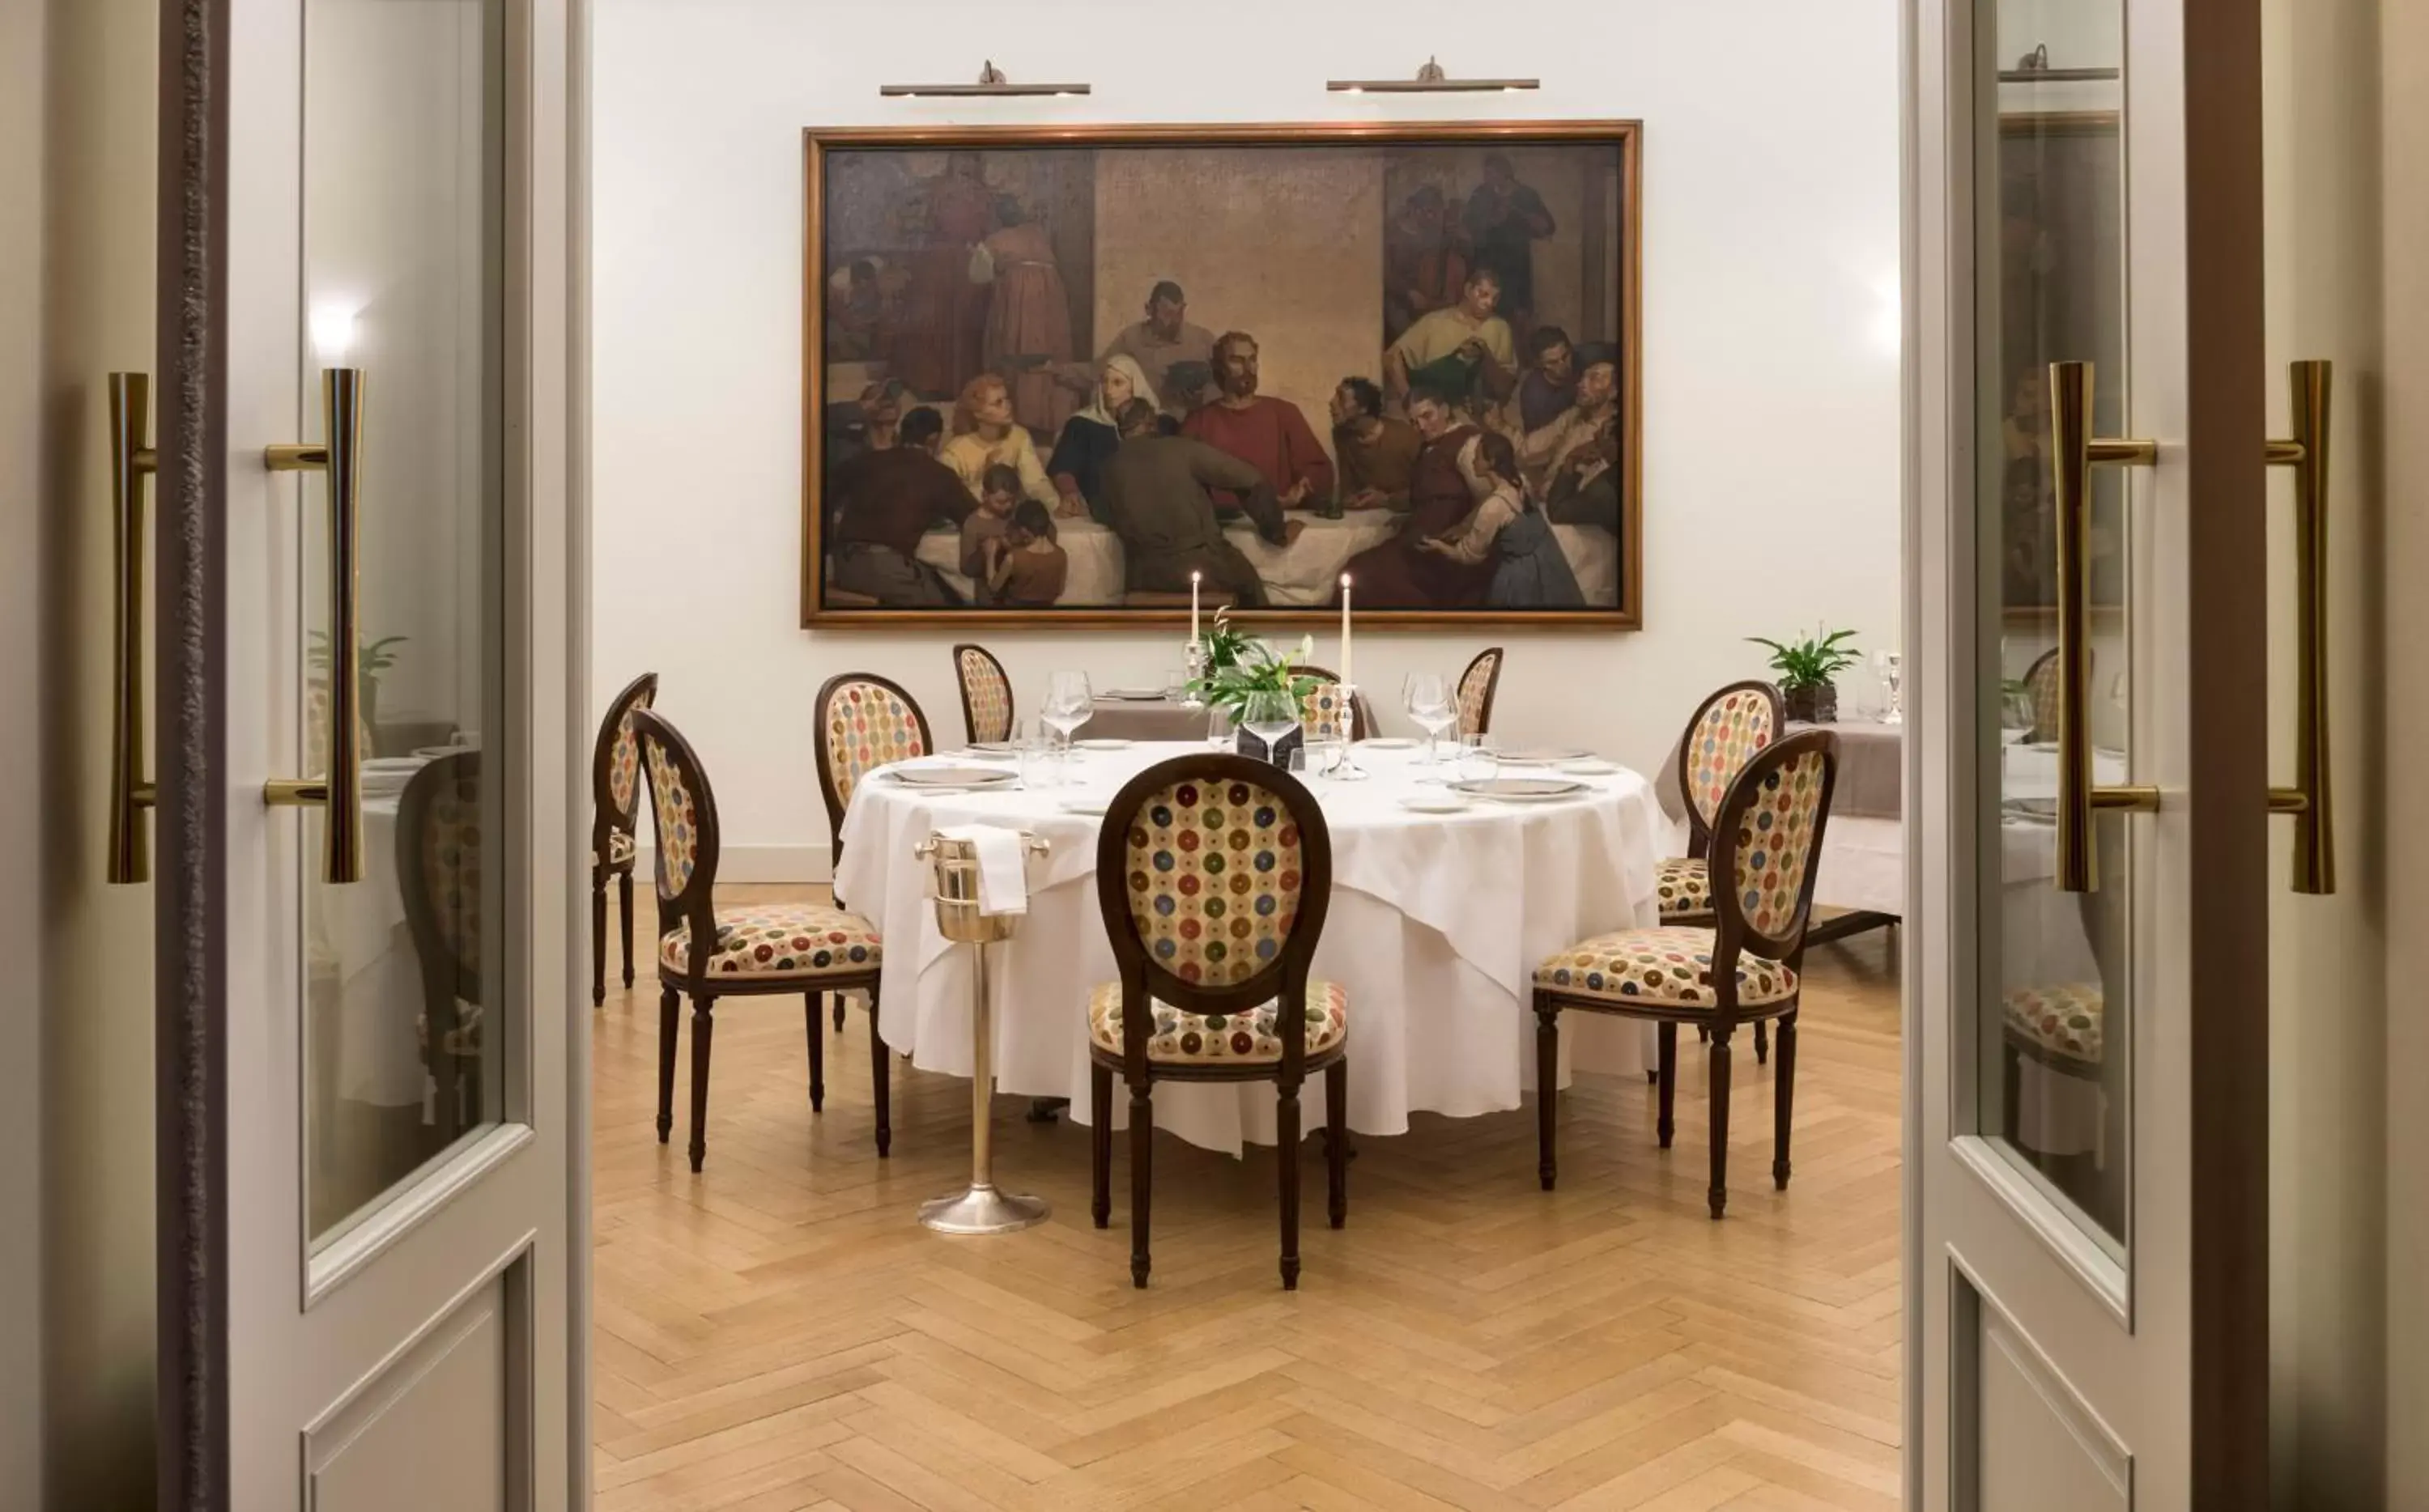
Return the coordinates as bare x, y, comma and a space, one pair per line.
1436, 925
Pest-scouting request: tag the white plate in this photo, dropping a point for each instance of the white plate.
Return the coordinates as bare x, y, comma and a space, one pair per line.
1100, 745
1387, 743
1545, 756
990, 753
1088, 806
1133, 695
1434, 803
1590, 766
399, 764
954, 777
1521, 789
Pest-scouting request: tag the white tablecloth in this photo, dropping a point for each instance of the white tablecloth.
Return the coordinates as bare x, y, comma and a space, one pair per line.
1436, 925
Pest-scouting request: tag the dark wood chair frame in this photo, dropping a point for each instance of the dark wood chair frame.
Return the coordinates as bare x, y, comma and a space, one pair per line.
448, 980
970, 718
1732, 937
1145, 982
1491, 687
695, 905
825, 763
1699, 834
605, 821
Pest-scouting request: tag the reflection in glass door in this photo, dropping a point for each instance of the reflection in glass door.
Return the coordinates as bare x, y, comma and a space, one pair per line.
2053, 1005
402, 259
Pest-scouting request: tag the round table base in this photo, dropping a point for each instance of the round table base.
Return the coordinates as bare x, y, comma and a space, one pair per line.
983, 1211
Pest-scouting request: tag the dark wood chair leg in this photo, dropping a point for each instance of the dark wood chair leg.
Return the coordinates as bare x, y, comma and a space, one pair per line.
839, 1012
1664, 1123
669, 1024
1547, 1089
1761, 1042
1287, 1155
881, 1081
2012, 1093
1719, 1195
1101, 1145
598, 938
703, 1025
1336, 1143
1783, 1100
625, 907
818, 1051
1142, 1152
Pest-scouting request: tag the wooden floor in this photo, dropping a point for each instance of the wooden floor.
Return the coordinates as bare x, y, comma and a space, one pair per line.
779, 1332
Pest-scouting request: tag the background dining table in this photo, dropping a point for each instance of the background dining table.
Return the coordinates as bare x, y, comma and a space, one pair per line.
1165, 718
1436, 925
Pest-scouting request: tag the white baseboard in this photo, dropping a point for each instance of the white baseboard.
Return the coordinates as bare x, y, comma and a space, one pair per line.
763, 864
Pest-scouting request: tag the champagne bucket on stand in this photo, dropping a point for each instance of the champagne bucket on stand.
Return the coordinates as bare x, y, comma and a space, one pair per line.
954, 886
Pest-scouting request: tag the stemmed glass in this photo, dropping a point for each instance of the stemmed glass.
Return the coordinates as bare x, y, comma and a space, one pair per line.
1269, 713
1430, 705
1070, 703
1892, 668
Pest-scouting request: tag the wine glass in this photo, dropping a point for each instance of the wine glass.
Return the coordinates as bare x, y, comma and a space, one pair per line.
1070, 703
1269, 713
1430, 705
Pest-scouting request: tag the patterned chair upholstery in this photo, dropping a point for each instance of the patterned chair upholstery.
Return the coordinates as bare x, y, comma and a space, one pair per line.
1725, 731
1477, 687
2041, 686
1214, 877
1331, 710
864, 722
706, 951
987, 694
438, 882
1742, 967
2062, 1025
615, 816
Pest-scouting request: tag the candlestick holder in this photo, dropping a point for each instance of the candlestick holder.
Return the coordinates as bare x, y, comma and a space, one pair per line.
1194, 659
1347, 769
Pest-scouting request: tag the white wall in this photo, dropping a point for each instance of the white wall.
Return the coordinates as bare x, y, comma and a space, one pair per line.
1771, 396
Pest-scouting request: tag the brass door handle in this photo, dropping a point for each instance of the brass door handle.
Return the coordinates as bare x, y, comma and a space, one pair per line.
2307, 800
131, 462
2074, 451
340, 791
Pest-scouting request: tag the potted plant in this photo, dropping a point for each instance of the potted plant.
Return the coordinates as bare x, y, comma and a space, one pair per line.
371, 660
1808, 669
1239, 666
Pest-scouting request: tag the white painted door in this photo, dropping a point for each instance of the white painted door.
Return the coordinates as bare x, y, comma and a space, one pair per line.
2088, 1074
400, 1247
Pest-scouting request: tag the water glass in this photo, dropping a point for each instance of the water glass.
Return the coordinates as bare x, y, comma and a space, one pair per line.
1041, 762
1324, 755
1479, 761
1220, 732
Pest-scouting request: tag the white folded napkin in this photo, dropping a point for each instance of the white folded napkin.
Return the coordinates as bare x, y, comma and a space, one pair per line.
1003, 870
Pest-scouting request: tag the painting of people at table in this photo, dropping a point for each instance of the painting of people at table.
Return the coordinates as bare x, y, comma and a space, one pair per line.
1094, 373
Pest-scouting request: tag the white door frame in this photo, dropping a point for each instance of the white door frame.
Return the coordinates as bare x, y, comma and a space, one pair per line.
2193, 1309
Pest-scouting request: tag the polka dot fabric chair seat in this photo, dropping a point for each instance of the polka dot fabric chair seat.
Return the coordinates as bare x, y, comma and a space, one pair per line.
1669, 967
1222, 1038
779, 940
1683, 885
2064, 1023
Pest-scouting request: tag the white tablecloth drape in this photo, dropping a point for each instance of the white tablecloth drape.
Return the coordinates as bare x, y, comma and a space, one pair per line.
1436, 925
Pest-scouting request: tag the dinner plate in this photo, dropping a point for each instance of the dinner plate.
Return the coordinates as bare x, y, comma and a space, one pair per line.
1590, 766
427, 753
993, 747
1133, 695
1102, 744
1086, 806
1434, 803
1521, 789
1387, 743
1545, 756
399, 764
961, 777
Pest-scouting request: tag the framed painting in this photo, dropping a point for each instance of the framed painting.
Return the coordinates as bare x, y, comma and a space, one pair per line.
1059, 374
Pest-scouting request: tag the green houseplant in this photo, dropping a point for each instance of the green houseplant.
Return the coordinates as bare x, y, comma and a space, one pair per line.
371, 660
1239, 664
1808, 670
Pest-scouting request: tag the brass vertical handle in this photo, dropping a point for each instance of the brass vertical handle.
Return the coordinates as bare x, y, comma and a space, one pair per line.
339, 792
131, 462
2074, 452
2307, 800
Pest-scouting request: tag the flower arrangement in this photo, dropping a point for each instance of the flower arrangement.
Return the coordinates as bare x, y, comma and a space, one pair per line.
1239, 664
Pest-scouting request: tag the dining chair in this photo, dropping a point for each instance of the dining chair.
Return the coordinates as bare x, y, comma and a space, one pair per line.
2041, 686
987, 694
1767, 840
1477, 686
615, 805
1329, 711
1724, 733
1213, 875
2061, 1028
864, 721
438, 881
706, 952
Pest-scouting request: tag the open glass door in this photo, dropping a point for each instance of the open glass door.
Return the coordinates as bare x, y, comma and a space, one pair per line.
2089, 978
395, 650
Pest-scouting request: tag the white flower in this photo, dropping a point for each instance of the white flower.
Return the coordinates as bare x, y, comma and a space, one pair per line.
1306, 651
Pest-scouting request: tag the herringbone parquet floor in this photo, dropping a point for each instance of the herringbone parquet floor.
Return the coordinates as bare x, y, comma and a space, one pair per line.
779, 1332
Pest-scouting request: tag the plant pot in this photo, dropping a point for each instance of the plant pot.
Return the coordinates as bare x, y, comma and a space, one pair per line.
1246, 744
1812, 703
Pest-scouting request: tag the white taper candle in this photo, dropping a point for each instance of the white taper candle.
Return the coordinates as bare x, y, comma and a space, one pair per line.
1348, 678
1193, 608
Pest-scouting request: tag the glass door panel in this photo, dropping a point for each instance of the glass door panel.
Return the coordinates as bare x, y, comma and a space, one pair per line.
402, 259
2051, 1017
